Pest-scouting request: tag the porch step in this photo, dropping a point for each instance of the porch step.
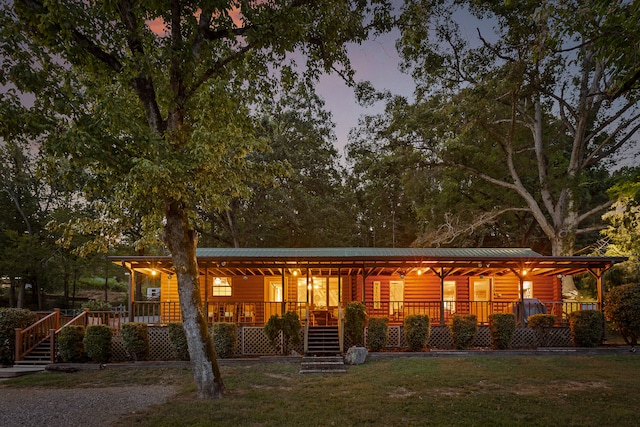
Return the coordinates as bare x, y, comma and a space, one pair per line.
322, 365
39, 356
323, 340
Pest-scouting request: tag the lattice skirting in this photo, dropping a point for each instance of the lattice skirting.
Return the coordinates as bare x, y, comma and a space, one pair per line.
523, 338
252, 341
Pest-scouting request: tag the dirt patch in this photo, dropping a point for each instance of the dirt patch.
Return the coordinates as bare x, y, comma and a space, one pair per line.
401, 392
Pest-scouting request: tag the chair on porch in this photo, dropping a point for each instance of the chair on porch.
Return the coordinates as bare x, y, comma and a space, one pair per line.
229, 312
248, 315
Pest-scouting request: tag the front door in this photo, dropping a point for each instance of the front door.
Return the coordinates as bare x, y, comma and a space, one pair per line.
480, 298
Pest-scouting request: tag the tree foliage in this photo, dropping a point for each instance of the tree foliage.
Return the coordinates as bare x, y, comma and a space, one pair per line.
151, 104
535, 107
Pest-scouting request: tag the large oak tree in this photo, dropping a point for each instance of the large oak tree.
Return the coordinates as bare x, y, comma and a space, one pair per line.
154, 101
535, 105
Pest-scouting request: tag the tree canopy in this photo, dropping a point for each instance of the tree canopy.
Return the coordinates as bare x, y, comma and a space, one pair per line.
152, 104
535, 106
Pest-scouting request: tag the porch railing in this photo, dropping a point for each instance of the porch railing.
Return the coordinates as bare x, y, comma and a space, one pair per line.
253, 313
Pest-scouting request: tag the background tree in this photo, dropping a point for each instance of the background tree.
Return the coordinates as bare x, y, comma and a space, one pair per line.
536, 108
305, 202
154, 102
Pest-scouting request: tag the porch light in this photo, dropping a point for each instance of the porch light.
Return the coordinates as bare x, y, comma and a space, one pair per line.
524, 272
154, 272
419, 272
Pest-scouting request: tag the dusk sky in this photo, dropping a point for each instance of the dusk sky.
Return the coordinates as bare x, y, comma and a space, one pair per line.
375, 60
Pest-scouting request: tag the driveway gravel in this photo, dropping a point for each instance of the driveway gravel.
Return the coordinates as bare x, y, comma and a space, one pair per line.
76, 406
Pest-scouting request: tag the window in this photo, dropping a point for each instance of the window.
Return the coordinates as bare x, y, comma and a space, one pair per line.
275, 291
376, 295
449, 296
527, 287
396, 296
221, 287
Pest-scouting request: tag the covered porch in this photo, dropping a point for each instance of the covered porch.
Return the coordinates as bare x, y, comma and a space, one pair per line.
247, 286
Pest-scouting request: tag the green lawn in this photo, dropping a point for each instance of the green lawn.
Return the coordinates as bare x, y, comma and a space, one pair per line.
492, 391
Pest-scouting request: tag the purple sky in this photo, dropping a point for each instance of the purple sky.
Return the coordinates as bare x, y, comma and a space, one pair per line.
375, 60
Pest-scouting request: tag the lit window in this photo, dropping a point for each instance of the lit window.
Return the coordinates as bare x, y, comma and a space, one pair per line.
221, 287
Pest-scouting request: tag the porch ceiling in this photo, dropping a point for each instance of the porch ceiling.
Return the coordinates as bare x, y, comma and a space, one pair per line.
375, 261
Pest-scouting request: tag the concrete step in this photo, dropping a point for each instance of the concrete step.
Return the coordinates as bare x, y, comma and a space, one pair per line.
324, 365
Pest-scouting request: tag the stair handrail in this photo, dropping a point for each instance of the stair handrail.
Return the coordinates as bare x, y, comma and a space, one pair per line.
306, 329
340, 329
80, 319
30, 337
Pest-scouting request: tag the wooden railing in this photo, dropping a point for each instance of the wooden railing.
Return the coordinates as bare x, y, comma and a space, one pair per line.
253, 313
27, 339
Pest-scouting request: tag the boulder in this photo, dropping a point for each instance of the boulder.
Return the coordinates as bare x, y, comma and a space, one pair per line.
356, 355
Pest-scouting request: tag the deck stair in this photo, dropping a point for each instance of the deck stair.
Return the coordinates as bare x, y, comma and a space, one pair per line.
322, 365
39, 356
323, 341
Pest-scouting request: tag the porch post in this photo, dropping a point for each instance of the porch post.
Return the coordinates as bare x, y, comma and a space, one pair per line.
132, 283
284, 298
364, 284
598, 274
521, 314
442, 297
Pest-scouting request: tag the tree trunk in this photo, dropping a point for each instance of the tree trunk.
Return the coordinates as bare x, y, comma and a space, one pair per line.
181, 239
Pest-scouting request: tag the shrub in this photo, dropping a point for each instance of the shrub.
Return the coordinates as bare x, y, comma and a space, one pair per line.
272, 330
586, 328
97, 343
355, 318
416, 331
178, 340
10, 319
377, 333
225, 339
96, 305
622, 309
502, 327
70, 344
291, 328
289, 325
464, 328
135, 336
541, 324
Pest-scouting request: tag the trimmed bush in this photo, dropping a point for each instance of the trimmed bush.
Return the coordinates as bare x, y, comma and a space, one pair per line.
377, 333
178, 340
622, 309
70, 344
10, 319
541, 324
289, 325
225, 339
464, 328
355, 319
272, 330
97, 343
502, 327
135, 336
416, 331
586, 328
291, 328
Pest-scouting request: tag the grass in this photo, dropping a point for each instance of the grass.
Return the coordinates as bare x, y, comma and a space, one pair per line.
473, 391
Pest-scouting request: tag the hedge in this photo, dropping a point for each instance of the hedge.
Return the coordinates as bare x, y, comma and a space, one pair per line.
225, 339
377, 333
10, 319
502, 327
135, 336
71, 345
417, 329
463, 328
97, 343
587, 327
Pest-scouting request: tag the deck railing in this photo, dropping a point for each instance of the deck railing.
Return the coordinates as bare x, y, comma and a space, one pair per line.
252, 313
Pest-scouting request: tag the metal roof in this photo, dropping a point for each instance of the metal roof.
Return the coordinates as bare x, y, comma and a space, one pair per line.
376, 261
364, 253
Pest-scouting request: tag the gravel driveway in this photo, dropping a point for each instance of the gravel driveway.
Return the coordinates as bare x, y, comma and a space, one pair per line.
76, 406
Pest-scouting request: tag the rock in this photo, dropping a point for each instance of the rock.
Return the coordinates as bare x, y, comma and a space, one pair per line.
356, 355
